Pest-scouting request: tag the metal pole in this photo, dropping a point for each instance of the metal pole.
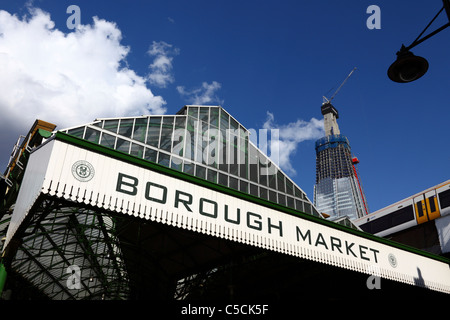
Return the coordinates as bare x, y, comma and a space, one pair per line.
447, 8
415, 43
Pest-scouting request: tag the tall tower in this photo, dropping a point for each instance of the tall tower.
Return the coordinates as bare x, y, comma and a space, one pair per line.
338, 191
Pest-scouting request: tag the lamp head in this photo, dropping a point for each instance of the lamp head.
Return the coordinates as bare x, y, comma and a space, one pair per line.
407, 67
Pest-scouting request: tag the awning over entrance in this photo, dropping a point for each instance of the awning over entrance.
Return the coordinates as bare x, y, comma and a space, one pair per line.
86, 176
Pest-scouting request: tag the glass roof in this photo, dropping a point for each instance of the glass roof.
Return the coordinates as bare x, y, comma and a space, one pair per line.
204, 141
60, 238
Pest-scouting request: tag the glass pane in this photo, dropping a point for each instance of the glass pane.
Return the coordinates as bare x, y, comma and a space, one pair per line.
224, 118
198, 141
253, 160
111, 125
223, 179
153, 131
193, 112
137, 150
243, 158
190, 145
126, 127
262, 177
223, 156
180, 122
92, 135
280, 178
234, 183
108, 140
282, 199
123, 145
254, 189
243, 186
233, 154
315, 212
290, 202
204, 114
164, 159
234, 169
254, 172
243, 132
188, 168
140, 129
212, 175
431, 201
214, 117
419, 209
272, 181
176, 163
263, 193
233, 124
200, 172
298, 193
289, 187
166, 134
150, 154
207, 141
299, 205
77, 132
272, 196
178, 138
194, 128
307, 207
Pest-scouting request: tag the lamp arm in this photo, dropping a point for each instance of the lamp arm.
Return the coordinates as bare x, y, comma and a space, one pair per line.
418, 41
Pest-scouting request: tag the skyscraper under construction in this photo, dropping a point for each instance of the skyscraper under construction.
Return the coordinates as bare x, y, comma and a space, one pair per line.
338, 191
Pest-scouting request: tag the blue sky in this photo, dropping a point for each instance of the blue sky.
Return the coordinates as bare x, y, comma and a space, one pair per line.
254, 58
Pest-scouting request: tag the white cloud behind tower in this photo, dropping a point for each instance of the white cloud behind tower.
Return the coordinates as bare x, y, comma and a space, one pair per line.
66, 78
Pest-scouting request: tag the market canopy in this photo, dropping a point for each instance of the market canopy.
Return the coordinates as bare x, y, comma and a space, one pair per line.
81, 174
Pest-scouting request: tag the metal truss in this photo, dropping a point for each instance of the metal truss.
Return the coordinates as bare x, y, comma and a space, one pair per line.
71, 252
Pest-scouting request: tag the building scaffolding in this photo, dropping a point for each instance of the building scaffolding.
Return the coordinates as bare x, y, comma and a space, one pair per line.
338, 190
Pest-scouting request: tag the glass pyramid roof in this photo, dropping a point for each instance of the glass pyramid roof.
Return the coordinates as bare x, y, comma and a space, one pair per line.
204, 141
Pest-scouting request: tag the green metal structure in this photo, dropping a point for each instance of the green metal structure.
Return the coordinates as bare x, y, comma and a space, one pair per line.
71, 250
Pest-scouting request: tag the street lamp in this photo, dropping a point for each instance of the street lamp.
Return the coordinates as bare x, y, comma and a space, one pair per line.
409, 67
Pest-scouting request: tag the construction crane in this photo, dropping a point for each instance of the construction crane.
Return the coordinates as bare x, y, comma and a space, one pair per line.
325, 100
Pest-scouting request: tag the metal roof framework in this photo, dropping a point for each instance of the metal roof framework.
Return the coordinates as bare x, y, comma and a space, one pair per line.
126, 257
60, 235
208, 143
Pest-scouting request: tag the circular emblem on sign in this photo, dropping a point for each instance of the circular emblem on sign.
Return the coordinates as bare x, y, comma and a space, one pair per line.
392, 260
83, 171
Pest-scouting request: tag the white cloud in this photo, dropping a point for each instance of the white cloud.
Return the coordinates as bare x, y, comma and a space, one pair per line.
66, 79
290, 135
161, 67
206, 94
